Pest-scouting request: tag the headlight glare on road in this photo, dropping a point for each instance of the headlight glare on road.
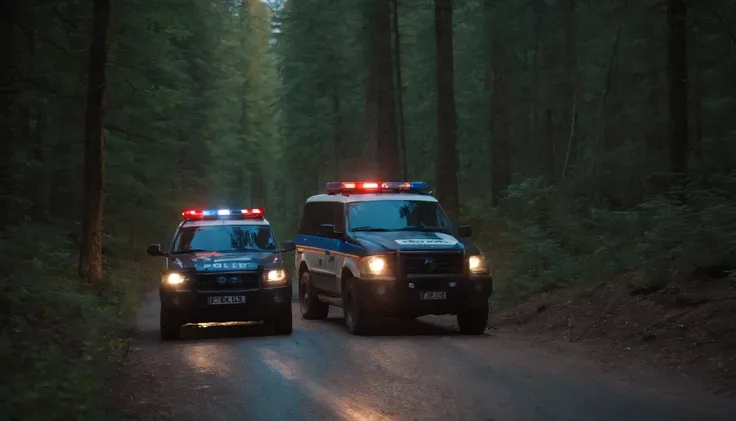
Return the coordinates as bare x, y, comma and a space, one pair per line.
276, 276
477, 264
174, 278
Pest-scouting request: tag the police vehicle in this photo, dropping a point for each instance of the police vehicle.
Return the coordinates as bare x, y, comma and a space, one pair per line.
224, 265
388, 250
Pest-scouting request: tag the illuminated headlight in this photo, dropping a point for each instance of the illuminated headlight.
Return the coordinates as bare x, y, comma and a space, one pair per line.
375, 265
174, 278
477, 264
276, 276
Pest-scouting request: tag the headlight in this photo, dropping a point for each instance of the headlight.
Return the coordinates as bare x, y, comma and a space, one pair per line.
276, 276
375, 265
174, 278
477, 264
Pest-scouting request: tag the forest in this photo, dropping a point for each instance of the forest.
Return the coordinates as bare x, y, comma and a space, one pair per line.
578, 138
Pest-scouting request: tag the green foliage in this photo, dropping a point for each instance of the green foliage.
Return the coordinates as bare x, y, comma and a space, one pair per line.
59, 340
543, 240
209, 105
567, 218
189, 120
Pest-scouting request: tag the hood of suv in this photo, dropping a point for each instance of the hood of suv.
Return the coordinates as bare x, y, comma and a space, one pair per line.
376, 242
224, 261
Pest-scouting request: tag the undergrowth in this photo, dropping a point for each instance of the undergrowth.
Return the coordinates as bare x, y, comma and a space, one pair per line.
58, 339
544, 237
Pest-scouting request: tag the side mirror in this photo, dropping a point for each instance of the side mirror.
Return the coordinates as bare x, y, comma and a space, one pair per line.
328, 231
288, 246
464, 231
155, 250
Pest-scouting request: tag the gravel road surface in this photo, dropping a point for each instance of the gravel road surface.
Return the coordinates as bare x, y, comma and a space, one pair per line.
420, 370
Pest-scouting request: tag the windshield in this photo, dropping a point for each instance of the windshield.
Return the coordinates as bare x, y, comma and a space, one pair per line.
397, 215
225, 238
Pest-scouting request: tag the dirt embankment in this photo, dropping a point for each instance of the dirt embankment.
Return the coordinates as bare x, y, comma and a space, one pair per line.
686, 326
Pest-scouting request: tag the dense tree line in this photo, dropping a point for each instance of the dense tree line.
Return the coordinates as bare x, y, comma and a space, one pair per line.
114, 117
575, 135
579, 138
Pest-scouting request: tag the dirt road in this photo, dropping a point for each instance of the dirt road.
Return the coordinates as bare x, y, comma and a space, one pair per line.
408, 371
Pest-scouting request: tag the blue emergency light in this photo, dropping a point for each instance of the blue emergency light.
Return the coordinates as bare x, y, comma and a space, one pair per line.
197, 214
362, 187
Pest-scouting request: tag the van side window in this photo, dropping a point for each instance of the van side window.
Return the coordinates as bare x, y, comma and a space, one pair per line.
318, 213
337, 216
315, 214
308, 225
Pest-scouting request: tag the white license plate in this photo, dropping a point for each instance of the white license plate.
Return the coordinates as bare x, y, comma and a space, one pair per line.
226, 299
433, 295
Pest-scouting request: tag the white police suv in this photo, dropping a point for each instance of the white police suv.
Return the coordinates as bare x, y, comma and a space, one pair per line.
224, 265
388, 250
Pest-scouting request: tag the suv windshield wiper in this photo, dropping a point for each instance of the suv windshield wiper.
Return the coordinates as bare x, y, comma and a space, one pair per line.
189, 251
369, 229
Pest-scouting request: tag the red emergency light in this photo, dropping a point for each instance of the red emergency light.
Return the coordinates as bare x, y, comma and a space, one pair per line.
254, 212
193, 214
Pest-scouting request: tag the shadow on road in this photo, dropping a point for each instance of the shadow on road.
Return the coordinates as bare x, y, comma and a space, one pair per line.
398, 327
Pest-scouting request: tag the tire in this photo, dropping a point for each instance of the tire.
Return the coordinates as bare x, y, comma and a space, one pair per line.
357, 319
311, 307
170, 325
282, 325
474, 321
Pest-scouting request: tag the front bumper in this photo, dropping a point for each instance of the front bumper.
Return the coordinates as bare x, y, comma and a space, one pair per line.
191, 306
403, 298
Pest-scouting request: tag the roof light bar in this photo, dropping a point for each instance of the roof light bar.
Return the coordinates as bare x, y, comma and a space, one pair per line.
355, 187
198, 214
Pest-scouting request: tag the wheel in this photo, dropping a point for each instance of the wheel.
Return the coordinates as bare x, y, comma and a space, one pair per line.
311, 307
474, 321
357, 319
282, 325
170, 325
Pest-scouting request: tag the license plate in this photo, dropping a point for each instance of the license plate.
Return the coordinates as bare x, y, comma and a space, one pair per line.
433, 295
226, 299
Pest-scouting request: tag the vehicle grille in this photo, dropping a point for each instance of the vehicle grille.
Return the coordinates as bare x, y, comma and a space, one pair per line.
250, 280
445, 263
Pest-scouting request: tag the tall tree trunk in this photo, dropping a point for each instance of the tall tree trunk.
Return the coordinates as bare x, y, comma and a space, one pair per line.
94, 142
400, 93
500, 130
654, 131
9, 88
677, 75
570, 67
447, 156
381, 109
337, 146
337, 135
542, 136
698, 99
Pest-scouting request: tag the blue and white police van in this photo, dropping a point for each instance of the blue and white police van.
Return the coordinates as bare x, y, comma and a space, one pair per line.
387, 249
224, 265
